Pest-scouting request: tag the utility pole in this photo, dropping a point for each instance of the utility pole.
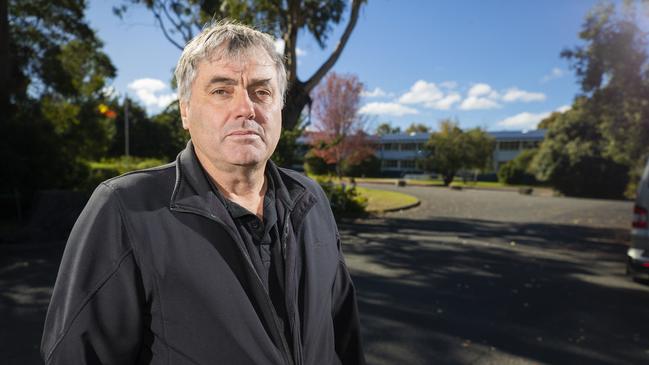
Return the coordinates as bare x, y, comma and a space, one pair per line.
126, 139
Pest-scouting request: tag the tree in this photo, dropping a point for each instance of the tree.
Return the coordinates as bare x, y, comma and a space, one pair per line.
340, 135
548, 121
387, 128
417, 128
452, 149
613, 69
181, 20
55, 76
572, 158
518, 170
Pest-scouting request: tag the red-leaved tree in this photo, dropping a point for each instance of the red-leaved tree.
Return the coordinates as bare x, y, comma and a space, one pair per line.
339, 137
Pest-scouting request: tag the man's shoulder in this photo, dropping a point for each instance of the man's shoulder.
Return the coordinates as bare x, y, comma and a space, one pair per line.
301, 179
146, 182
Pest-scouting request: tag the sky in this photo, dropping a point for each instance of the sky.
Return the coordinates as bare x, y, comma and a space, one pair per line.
492, 64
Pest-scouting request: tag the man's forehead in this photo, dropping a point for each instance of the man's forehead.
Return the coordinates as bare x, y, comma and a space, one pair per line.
248, 57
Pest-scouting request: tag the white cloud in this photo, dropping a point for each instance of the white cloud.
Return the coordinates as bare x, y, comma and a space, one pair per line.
376, 93
279, 47
444, 103
482, 90
527, 120
555, 73
523, 120
421, 92
515, 94
430, 96
448, 84
474, 102
392, 109
151, 93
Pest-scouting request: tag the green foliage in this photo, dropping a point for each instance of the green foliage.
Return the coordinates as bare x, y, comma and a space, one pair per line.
572, 158
345, 201
109, 168
161, 136
518, 170
612, 68
369, 167
452, 149
284, 154
417, 128
315, 165
387, 128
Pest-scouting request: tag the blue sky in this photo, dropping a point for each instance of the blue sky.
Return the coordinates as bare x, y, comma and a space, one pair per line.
491, 64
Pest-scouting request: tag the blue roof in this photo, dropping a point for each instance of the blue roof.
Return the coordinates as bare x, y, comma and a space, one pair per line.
533, 135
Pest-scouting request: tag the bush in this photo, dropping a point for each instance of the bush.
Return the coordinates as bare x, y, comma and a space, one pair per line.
109, 168
314, 165
517, 171
345, 202
369, 167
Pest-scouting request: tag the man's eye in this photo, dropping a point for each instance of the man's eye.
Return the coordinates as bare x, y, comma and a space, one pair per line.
263, 93
219, 92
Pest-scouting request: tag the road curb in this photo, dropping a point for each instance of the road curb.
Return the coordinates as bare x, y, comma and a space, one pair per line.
396, 209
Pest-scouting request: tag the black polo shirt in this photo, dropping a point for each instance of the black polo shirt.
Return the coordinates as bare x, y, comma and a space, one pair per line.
261, 238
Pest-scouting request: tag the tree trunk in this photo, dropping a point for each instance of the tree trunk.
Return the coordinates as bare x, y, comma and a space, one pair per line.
448, 178
296, 99
5, 61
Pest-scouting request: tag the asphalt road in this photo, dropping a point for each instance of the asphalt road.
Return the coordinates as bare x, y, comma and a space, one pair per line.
468, 277
488, 277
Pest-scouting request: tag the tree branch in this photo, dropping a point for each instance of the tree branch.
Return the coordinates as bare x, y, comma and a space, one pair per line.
328, 64
164, 30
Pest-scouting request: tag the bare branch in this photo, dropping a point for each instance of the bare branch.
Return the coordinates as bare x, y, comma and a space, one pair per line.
164, 30
328, 64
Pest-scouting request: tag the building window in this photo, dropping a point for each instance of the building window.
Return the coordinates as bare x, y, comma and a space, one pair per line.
530, 144
509, 146
408, 164
409, 147
389, 164
390, 147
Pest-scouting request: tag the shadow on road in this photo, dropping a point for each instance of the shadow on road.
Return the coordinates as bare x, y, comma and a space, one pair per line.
474, 291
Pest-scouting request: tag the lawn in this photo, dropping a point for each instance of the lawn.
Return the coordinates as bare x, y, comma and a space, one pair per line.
381, 200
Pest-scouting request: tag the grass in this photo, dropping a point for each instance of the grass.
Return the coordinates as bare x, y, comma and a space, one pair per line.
381, 200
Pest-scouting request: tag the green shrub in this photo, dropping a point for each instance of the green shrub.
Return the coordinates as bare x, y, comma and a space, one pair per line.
109, 168
369, 167
345, 201
517, 171
314, 165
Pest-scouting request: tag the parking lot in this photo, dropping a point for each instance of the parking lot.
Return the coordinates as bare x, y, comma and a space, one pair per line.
490, 277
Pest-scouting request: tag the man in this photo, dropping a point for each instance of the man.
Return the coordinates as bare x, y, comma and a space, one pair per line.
219, 257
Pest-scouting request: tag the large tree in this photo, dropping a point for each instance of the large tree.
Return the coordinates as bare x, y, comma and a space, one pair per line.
181, 20
55, 76
613, 69
452, 149
340, 137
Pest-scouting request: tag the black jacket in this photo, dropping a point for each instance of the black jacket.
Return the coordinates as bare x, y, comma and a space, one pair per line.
154, 272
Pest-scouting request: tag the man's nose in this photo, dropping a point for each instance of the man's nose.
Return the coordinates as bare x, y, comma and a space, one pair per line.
244, 106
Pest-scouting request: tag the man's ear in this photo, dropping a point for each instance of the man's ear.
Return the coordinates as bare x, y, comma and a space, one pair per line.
183, 106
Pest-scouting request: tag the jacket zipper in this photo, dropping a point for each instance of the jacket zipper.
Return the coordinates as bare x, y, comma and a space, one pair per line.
284, 350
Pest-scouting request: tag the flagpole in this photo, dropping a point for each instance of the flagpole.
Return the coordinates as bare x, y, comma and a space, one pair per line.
126, 139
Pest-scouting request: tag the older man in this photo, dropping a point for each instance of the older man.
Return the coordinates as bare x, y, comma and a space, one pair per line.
219, 257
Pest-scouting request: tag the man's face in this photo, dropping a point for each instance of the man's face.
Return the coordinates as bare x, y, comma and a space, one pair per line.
234, 114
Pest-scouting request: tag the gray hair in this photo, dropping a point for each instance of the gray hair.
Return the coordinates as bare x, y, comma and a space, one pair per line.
236, 39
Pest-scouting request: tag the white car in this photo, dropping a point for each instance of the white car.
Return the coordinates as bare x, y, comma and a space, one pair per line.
638, 253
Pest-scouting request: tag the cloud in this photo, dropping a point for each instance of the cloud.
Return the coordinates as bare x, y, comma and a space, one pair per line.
430, 96
527, 120
376, 93
483, 90
515, 94
523, 120
279, 47
555, 73
150, 93
392, 109
448, 84
474, 102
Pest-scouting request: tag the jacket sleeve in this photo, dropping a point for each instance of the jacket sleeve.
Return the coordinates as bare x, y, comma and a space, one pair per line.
95, 313
345, 316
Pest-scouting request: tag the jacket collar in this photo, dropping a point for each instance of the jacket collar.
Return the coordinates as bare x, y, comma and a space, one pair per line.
193, 191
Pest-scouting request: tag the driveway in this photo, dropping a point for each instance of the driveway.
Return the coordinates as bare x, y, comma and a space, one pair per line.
488, 277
